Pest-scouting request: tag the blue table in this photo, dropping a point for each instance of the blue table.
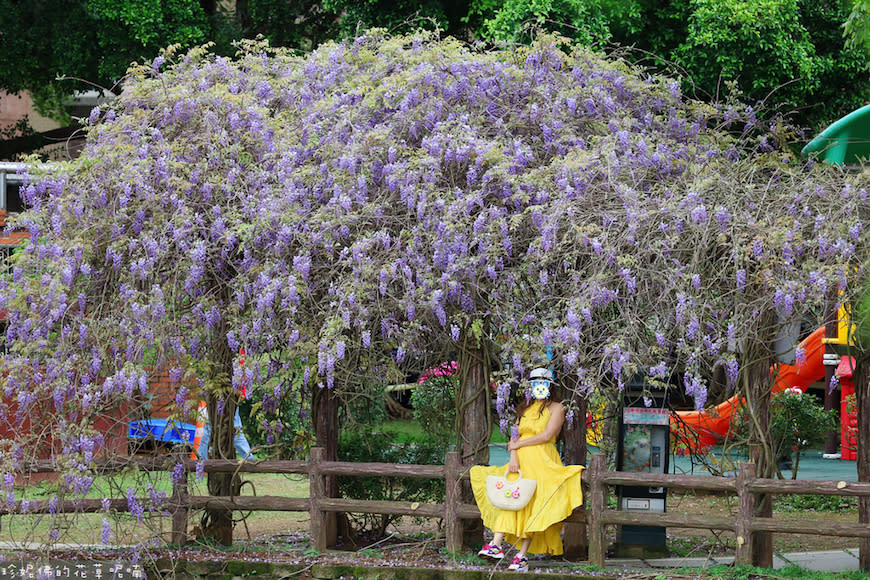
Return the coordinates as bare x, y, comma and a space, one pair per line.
162, 430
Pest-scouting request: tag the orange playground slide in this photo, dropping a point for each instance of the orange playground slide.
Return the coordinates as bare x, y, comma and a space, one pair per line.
698, 430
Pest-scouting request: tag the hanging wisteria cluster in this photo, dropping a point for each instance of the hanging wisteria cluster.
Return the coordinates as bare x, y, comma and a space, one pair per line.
341, 212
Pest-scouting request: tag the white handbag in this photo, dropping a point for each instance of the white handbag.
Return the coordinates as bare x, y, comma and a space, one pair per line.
507, 494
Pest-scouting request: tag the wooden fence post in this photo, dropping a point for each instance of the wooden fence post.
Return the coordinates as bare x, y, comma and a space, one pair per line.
316, 492
595, 506
452, 498
180, 511
745, 513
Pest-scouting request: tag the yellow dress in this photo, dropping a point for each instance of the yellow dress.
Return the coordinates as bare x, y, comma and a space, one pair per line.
557, 494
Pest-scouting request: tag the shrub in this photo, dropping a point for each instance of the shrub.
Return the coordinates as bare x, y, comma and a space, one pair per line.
279, 427
797, 422
434, 402
364, 444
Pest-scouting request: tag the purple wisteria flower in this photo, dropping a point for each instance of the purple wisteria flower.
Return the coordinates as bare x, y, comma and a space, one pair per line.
106, 532
133, 505
178, 473
800, 357
504, 424
732, 369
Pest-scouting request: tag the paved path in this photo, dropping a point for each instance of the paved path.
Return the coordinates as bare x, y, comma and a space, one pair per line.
844, 560
812, 466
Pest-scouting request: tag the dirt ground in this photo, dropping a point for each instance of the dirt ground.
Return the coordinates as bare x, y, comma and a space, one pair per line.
257, 528
282, 538
721, 542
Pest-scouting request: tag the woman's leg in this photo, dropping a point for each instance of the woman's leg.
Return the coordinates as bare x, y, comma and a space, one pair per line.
524, 546
520, 562
497, 539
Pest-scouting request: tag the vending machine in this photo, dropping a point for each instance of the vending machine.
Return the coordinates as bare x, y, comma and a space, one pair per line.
643, 447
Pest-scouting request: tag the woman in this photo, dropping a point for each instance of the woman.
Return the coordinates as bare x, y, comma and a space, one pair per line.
537, 527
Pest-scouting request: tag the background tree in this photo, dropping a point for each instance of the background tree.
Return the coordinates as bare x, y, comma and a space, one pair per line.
301, 24
835, 96
400, 16
857, 27
93, 40
516, 21
790, 52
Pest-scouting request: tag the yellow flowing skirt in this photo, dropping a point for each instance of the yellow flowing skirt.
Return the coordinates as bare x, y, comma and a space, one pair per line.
558, 493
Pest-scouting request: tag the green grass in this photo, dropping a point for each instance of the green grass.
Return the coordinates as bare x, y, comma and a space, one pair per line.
82, 528
497, 436
816, 503
404, 430
407, 430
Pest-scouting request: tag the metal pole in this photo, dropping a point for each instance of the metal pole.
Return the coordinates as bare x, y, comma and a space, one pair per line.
831, 360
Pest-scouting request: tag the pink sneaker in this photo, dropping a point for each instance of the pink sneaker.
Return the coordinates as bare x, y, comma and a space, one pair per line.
520, 564
491, 551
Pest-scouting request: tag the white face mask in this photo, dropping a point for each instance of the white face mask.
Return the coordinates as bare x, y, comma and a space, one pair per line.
540, 389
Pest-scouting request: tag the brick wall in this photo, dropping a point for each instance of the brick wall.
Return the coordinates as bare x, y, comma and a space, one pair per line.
163, 393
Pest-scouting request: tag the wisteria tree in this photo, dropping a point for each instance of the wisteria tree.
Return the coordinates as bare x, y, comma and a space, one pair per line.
396, 200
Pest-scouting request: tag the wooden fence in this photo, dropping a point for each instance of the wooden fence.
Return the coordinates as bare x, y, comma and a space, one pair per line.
597, 481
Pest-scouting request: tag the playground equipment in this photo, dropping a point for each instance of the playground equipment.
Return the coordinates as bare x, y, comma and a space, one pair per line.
845, 141
697, 431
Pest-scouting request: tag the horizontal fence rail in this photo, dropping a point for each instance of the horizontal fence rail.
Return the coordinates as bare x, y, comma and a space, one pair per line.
597, 482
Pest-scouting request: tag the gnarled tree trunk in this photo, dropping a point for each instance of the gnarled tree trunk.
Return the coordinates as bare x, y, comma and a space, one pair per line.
574, 536
218, 523
759, 357
474, 417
